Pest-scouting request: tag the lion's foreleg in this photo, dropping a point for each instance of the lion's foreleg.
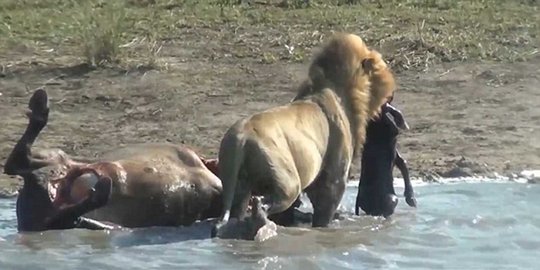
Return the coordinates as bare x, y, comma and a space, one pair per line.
325, 195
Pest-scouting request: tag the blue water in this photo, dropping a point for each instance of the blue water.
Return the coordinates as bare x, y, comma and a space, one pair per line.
456, 226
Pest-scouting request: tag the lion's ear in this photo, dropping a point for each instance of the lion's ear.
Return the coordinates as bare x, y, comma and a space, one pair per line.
368, 65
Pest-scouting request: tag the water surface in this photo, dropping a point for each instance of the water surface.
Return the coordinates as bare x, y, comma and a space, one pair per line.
456, 226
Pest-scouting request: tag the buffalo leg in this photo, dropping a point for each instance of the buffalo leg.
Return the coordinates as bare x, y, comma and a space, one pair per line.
409, 192
358, 200
33, 202
20, 161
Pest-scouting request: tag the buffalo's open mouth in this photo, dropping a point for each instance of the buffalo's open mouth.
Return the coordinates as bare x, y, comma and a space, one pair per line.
211, 165
72, 189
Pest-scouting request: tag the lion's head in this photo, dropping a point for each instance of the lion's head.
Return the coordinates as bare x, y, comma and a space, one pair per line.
356, 74
339, 65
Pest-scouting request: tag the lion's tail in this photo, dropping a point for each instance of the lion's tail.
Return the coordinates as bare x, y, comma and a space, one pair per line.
231, 158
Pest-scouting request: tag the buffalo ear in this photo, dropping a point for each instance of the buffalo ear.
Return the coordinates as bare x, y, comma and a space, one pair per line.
400, 121
397, 117
39, 100
390, 119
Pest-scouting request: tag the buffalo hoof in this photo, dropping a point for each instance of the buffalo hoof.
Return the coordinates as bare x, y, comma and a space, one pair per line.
38, 108
411, 201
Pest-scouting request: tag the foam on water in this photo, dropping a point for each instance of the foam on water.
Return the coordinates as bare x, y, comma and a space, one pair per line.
473, 223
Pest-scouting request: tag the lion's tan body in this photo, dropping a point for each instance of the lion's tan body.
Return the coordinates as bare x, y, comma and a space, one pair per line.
308, 144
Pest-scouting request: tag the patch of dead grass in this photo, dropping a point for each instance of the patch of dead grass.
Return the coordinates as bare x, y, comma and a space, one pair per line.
100, 28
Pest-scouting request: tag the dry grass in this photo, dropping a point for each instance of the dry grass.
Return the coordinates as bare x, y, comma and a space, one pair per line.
100, 32
413, 34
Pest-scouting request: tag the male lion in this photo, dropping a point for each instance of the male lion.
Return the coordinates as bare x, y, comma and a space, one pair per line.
308, 144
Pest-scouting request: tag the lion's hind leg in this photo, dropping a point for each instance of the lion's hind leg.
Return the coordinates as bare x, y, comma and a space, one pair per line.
242, 197
283, 191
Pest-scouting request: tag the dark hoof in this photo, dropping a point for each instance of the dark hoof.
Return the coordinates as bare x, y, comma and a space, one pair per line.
39, 107
411, 201
39, 102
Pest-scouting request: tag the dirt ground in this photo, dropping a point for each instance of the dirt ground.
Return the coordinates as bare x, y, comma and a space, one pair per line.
473, 109
481, 118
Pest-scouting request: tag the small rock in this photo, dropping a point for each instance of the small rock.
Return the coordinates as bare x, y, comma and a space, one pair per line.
126, 102
18, 93
458, 116
105, 98
471, 131
532, 176
464, 162
511, 176
494, 175
458, 172
488, 75
52, 82
429, 176
266, 232
74, 85
473, 167
535, 180
507, 165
